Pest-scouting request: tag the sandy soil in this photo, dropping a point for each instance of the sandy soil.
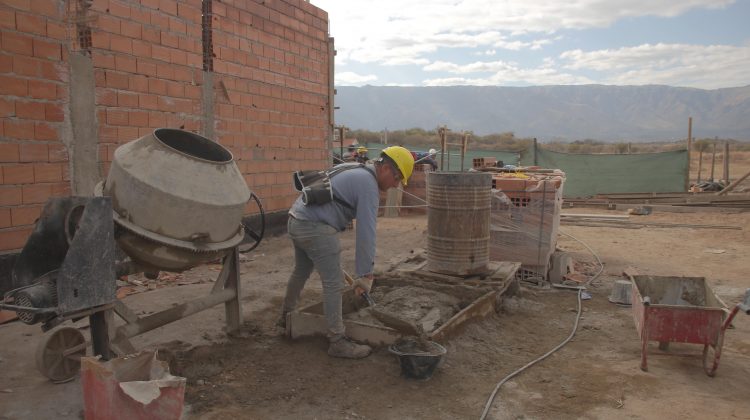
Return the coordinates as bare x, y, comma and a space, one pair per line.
262, 375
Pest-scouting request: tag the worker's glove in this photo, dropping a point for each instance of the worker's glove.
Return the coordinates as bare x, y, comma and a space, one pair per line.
362, 285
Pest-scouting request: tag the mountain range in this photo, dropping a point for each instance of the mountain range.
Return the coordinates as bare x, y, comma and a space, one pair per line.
568, 113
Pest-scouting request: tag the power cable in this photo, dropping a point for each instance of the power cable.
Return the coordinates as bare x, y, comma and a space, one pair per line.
490, 400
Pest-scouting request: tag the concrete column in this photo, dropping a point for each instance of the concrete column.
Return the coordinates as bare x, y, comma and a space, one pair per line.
207, 101
82, 140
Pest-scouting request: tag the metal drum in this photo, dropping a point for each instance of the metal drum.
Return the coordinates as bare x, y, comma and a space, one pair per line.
458, 222
178, 197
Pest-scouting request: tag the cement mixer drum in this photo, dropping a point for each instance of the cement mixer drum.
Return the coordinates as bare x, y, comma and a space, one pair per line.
178, 199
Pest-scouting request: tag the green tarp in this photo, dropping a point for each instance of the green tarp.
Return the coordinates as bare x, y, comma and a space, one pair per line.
587, 175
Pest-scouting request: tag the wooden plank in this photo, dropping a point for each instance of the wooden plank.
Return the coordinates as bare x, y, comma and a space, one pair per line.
477, 310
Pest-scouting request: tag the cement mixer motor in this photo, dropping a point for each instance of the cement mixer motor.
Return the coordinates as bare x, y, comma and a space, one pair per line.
177, 200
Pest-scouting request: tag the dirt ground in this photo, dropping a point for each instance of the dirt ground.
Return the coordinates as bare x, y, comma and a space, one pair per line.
263, 375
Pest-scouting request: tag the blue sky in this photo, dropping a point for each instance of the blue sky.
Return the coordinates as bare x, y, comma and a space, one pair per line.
690, 43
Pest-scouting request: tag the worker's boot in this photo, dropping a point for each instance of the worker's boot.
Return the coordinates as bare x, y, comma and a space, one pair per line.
345, 348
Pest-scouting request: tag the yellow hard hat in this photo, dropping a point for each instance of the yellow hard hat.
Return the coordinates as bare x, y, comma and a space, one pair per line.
362, 149
403, 160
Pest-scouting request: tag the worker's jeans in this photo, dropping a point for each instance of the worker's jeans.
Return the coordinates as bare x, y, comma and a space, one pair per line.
316, 245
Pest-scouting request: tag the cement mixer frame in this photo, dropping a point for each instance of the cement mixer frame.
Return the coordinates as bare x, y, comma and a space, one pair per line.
67, 271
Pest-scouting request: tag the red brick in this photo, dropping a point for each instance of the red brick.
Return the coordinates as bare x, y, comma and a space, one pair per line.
117, 117
18, 129
145, 67
125, 64
108, 24
10, 196
32, 24
169, 40
14, 86
47, 8
140, 15
159, 52
18, 174
44, 131
157, 119
36, 193
151, 35
118, 9
49, 70
168, 6
32, 152
7, 108
138, 118
48, 172
17, 43
11, 240
157, 86
106, 97
101, 40
178, 57
121, 44
6, 63
7, 19
57, 31
30, 110
131, 29
54, 112
148, 101
21, 216
9, 152
104, 61
175, 89
5, 218
39, 89
48, 50
19, 4
58, 153
62, 189
128, 100
138, 83
117, 80
141, 49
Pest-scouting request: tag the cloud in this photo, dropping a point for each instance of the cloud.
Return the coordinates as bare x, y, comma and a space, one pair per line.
396, 32
707, 67
351, 78
505, 74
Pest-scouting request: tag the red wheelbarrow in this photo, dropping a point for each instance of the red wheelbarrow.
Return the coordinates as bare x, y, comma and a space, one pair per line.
681, 310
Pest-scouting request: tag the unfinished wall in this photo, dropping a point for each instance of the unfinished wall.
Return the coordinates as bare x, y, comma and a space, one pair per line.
79, 78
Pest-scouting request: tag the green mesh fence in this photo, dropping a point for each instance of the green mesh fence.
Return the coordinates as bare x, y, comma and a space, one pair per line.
453, 158
587, 175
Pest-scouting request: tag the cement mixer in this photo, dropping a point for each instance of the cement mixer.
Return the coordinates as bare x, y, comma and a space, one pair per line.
172, 200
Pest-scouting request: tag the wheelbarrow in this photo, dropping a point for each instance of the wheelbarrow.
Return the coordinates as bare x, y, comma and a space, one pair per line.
681, 310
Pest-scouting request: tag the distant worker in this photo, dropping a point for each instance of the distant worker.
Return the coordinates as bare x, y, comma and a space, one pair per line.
362, 155
428, 158
313, 229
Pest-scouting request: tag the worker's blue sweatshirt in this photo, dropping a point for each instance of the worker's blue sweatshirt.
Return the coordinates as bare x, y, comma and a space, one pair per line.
357, 187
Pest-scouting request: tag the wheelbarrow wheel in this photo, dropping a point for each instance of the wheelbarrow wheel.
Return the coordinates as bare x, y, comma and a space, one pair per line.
58, 355
711, 355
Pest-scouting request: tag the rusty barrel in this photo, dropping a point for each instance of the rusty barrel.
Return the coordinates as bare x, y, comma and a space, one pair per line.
458, 222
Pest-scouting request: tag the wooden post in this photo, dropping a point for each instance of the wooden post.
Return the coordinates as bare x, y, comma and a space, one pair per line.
628, 148
393, 202
535, 160
726, 162
689, 150
700, 165
713, 160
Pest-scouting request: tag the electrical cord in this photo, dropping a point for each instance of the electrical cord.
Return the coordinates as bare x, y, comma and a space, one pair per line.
490, 400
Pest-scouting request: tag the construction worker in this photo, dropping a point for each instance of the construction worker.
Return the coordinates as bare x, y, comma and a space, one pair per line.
314, 228
428, 158
362, 155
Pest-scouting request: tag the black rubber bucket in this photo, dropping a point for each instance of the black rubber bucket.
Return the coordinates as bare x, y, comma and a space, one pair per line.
418, 359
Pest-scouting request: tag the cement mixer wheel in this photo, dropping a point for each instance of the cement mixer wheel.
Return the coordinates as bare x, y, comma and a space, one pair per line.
253, 234
58, 355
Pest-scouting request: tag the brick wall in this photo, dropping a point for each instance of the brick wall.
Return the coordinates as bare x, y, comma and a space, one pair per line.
268, 103
33, 96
